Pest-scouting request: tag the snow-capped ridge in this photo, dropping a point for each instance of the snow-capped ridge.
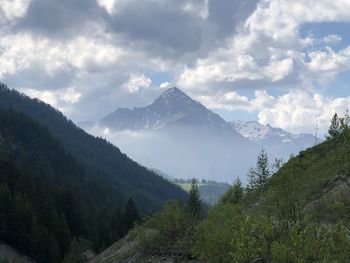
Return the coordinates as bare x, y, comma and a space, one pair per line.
258, 132
172, 107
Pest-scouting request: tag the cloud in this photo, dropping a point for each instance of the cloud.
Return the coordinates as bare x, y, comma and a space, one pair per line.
213, 49
137, 82
298, 111
55, 98
332, 39
109, 5
295, 111
22, 51
329, 61
13, 9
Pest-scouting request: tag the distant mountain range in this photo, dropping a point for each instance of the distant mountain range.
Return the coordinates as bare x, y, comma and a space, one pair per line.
183, 138
275, 140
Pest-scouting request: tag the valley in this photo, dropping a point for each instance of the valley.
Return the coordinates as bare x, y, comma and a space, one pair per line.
187, 132
174, 131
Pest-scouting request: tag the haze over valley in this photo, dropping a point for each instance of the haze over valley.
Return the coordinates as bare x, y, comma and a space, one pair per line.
183, 138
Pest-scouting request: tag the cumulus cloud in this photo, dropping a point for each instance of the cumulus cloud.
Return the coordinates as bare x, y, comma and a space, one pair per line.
329, 61
55, 98
299, 111
137, 82
108, 51
22, 51
296, 111
13, 9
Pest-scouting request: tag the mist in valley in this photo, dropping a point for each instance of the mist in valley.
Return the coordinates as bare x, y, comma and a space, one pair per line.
186, 153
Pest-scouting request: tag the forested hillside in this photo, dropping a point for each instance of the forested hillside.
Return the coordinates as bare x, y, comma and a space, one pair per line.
46, 199
117, 177
293, 212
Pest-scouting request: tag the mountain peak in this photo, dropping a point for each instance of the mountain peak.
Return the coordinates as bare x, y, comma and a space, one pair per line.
172, 108
175, 100
173, 93
173, 90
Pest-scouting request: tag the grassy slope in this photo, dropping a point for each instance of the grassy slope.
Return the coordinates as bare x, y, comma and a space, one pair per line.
313, 174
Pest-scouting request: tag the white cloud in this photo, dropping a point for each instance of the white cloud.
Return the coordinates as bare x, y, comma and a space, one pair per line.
298, 111
56, 98
229, 101
13, 9
164, 85
278, 70
22, 51
70, 96
294, 111
137, 82
328, 61
269, 48
332, 39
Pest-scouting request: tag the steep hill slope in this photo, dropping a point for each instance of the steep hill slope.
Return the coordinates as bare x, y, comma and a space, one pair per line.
45, 196
99, 158
301, 214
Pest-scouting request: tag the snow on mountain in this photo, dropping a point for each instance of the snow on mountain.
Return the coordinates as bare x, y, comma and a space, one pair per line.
180, 136
277, 141
255, 131
172, 108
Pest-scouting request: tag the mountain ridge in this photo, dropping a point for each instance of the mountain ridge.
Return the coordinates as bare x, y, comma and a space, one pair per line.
98, 156
176, 126
172, 108
255, 131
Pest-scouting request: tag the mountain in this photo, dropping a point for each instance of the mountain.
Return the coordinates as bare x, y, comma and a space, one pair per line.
119, 177
172, 109
276, 141
181, 137
175, 130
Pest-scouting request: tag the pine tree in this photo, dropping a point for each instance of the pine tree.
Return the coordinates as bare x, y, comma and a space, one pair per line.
131, 214
252, 179
277, 164
194, 203
345, 125
237, 190
335, 127
262, 169
234, 194
259, 176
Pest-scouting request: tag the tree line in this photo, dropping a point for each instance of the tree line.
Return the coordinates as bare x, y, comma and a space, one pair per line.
45, 197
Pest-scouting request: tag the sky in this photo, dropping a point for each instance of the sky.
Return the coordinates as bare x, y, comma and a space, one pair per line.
280, 62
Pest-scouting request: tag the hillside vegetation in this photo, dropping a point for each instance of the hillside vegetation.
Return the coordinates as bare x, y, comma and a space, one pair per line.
299, 213
45, 196
210, 191
60, 187
119, 178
